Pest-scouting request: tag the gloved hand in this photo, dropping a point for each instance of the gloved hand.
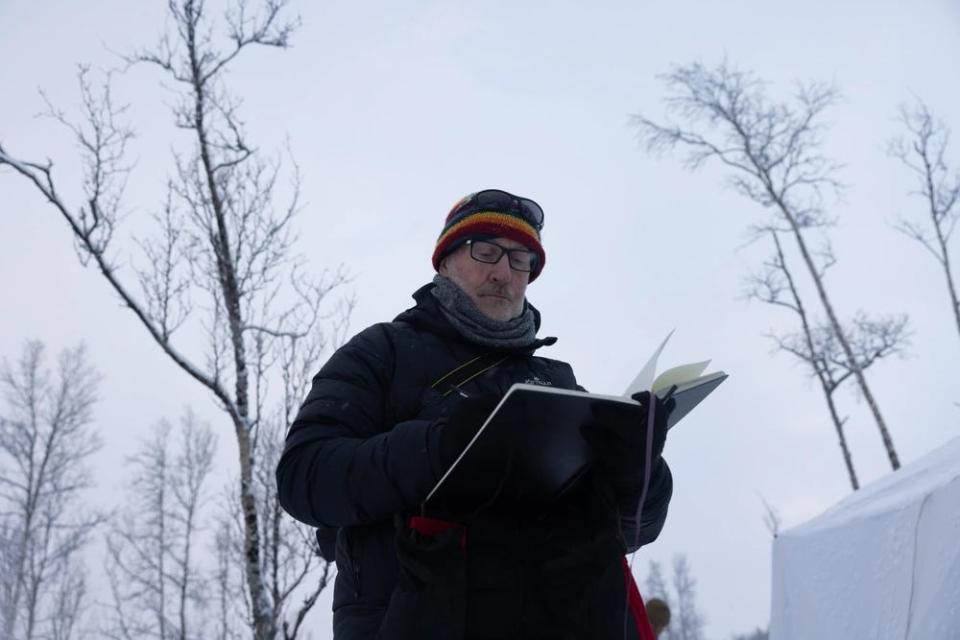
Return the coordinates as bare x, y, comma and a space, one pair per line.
430, 598
661, 413
467, 418
429, 558
617, 436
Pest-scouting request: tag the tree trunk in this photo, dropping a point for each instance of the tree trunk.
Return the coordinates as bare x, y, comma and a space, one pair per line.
838, 424
838, 330
820, 373
264, 626
951, 287
162, 551
937, 217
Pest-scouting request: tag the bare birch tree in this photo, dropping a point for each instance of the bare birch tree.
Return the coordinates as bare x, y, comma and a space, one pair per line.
158, 582
290, 549
227, 580
923, 150
816, 344
773, 151
771, 517
687, 621
290, 554
221, 262
655, 586
45, 440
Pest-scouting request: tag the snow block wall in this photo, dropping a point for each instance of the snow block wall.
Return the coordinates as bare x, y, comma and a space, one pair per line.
882, 564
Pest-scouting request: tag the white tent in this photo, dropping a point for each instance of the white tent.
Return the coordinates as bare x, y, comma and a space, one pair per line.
883, 563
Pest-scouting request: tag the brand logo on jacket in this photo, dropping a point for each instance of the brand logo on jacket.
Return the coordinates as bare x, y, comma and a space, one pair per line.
538, 381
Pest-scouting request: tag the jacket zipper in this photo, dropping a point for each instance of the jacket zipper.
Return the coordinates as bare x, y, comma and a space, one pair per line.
355, 561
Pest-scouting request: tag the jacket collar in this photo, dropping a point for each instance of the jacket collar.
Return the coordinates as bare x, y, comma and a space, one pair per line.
426, 314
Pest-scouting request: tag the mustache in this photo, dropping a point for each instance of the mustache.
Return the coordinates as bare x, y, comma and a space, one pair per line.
495, 290
503, 292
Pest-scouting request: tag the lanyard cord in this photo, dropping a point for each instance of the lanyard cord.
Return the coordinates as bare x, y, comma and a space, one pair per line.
456, 387
648, 461
454, 370
467, 373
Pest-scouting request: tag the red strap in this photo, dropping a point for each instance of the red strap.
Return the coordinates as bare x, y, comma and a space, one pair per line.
432, 526
635, 605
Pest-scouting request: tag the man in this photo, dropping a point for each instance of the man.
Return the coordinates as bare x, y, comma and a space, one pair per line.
393, 408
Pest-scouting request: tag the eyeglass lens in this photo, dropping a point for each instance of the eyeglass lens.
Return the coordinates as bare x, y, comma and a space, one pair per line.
490, 253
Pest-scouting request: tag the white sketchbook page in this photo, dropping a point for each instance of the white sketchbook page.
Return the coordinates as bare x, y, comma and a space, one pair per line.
680, 374
644, 379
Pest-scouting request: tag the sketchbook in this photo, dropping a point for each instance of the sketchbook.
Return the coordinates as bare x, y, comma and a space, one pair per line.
532, 440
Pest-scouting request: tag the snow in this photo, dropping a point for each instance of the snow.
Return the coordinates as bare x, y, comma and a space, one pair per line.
882, 563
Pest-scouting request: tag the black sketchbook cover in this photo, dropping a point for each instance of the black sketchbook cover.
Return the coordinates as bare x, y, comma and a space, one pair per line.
532, 441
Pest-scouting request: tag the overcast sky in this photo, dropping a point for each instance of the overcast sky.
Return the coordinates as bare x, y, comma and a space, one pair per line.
396, 110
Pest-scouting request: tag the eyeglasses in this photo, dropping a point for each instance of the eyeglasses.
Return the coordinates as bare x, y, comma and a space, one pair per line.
500, 201
491, 252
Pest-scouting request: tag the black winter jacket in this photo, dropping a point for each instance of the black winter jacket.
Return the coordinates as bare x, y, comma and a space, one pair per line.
363, 450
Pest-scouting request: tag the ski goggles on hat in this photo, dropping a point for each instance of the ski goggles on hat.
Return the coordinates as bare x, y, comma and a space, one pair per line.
501, 202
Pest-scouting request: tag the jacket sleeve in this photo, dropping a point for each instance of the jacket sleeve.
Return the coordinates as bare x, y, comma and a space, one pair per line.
343, 463
654, 512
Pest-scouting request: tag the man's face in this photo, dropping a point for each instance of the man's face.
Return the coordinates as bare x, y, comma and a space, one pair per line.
496, 289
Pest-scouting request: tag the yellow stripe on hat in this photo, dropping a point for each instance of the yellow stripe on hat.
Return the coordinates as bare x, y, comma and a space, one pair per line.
492, 218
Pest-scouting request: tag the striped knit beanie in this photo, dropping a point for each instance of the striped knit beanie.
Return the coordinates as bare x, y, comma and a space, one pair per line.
492, 214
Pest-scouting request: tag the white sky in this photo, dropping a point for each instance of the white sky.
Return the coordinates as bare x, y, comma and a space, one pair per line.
395, 110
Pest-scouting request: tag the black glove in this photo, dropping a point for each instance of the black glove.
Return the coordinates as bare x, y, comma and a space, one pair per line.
429, 558
467, 418
618, 437
430, 598
661, 412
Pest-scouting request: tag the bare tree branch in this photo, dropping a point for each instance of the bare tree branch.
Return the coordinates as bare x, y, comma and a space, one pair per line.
923, 150
157, 583
45, 441
220, 265
773, 150
686, 622
817, 346
771, 517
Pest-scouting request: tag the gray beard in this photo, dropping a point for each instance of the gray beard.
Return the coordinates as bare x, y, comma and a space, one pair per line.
476, 327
